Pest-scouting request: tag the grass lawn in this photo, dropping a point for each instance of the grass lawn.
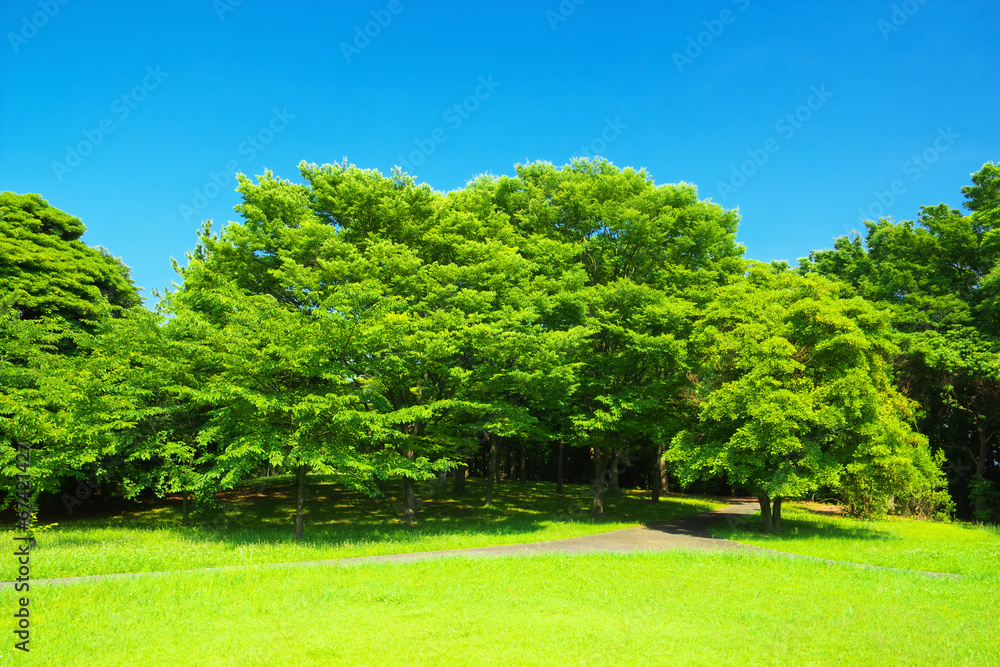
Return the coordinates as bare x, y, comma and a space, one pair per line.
255, 526
955, 548
600, 609
670, 608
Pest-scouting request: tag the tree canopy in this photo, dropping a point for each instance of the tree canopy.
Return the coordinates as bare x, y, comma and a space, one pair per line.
56, 291
50, 272
367, 327
939, 278
794, 393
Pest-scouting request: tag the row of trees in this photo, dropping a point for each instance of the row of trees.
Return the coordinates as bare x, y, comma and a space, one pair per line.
369, 327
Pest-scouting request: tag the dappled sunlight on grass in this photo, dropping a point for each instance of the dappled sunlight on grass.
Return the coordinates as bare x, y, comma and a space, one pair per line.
254, 525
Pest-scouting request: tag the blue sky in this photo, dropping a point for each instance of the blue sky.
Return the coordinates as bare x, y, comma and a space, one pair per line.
807, 116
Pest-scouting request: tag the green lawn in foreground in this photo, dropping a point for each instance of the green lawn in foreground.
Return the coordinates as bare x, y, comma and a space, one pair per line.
671, 608
256, 527
894, 542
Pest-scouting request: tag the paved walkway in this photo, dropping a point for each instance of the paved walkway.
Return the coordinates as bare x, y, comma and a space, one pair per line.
690, 532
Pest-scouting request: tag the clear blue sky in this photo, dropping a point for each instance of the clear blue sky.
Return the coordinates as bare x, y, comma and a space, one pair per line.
801, 114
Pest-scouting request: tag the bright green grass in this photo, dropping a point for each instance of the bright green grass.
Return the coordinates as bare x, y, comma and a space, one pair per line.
894, 542
257, 527
674, 608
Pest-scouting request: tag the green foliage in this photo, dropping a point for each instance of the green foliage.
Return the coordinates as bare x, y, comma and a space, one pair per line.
366, 326
516, 307
938, 277
636, 261
52, 274
795, 393
28, 416
986, 497
54, 293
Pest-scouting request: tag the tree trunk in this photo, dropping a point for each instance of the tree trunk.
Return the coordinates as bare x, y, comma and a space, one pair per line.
658, 473
491, 473
301, 502
559, 469
522, 462
666, 480
765, 512
512, 462
498, 467
184, 508
613, 488
409, 500
600, 469
770, 517
459, 488
409, 494
981, 505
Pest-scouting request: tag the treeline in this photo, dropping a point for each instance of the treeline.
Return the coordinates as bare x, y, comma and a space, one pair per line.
574, 323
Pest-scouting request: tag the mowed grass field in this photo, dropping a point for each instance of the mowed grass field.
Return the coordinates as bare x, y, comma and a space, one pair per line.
932, 546
670, 608
687, 608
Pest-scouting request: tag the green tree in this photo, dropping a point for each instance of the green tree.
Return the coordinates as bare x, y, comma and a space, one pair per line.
320, 264
164, 446
636, 259
794, 393
54, 290
53, 274
940, 278
498, 291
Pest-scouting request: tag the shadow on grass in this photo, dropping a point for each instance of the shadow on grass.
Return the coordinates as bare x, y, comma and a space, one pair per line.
798, 525
263, 511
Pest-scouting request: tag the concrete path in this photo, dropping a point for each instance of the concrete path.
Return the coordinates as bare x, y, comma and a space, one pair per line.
690, 532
